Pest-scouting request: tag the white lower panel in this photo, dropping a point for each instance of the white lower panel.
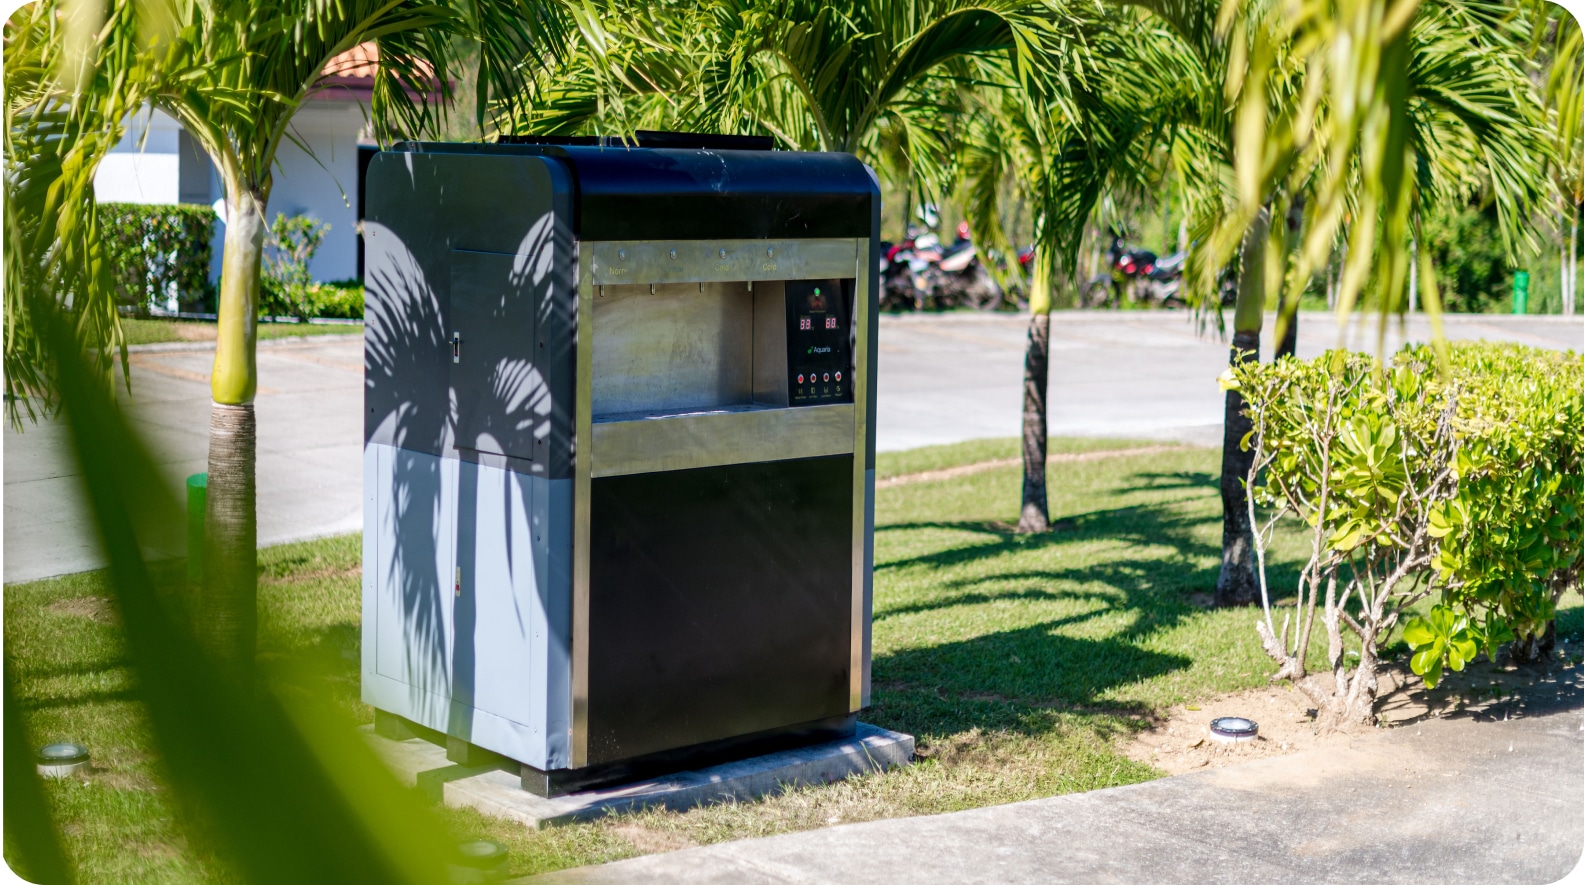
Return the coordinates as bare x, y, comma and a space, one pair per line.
463, 633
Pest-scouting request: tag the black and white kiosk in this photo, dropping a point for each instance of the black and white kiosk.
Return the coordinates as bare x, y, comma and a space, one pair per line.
619, 450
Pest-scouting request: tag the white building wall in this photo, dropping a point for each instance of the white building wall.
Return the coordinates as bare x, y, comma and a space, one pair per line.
323, 185
144, 166
137, 178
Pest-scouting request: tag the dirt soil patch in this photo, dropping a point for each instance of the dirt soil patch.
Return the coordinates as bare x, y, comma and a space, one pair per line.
1180, 741
98, 609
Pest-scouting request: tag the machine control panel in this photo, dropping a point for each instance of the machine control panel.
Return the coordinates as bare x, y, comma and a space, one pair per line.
819, 336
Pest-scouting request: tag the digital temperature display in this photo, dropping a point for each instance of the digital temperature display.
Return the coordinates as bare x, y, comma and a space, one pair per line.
819, 344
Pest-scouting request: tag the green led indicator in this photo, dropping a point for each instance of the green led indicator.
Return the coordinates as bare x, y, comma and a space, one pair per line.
816, 290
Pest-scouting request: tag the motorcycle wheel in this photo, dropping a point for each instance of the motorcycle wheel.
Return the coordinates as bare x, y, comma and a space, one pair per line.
1096, 293
896, 299
982, 293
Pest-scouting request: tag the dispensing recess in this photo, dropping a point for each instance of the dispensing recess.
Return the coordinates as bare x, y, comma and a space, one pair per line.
619, 451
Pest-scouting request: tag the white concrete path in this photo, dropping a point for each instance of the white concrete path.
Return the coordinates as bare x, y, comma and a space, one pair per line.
309, 451
943, 378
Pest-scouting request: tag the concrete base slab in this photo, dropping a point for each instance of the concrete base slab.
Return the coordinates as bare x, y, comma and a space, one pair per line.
499, 793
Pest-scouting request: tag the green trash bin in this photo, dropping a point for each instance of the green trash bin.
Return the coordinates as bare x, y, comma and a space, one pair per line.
197, 500
1521, 292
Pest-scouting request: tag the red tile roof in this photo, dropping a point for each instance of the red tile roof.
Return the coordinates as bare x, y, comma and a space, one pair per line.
358, 63
350, 75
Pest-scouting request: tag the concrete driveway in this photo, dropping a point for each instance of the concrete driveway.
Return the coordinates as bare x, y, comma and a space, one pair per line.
943, 378
946, 378
310, 444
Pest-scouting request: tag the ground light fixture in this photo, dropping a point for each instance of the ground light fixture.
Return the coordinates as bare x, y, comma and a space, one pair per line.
1233, 729
61, 760
478, 861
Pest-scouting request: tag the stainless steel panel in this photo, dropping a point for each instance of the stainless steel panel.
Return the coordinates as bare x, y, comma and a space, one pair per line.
687, 346
695, 261
679, 442
580, 508
770, 343
861, 482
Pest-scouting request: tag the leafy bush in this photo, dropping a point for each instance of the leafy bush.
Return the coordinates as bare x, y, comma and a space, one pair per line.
287, 288
1511, 537
338, 300
1471, 263
158, 251
1417, 478
341, 300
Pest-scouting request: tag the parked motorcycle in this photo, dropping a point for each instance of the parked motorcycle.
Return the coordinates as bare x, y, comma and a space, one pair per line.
1159, 279
1138, 275
920, 274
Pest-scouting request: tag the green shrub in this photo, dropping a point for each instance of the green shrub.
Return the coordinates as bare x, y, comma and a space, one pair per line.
1471, 263
159, 250
287, 286
339, 300
1511, 536
1455, 480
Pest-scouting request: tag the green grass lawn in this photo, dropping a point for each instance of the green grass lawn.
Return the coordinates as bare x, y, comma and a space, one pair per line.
160, 331
1017, 662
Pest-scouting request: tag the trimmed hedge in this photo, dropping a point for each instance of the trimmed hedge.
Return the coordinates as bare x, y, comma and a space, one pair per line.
341, 300
159, 250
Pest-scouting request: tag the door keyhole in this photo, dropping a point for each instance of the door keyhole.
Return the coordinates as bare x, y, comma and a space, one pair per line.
456, 347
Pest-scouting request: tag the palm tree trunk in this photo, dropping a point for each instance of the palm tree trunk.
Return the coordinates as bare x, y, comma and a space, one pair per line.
1288, 345
1413, 276
228, 604
1036, 373
1569, 304
1236, 584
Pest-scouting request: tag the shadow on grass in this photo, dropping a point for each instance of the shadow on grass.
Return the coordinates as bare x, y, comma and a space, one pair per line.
1029, 681
1146, 526
1154, 564
1180, 479
79, 699
1031, 665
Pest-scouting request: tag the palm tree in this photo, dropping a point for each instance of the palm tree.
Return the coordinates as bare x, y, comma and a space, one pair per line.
814, 75
1062, 157
233, 74
1436, 101
888, 81
1565, 100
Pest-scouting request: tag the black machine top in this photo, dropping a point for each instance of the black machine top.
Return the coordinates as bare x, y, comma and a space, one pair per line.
688, 186
647, 138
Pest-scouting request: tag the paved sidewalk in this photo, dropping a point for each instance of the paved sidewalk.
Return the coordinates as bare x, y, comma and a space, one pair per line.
1446, 801
943, 378
310, 445
1145, 374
